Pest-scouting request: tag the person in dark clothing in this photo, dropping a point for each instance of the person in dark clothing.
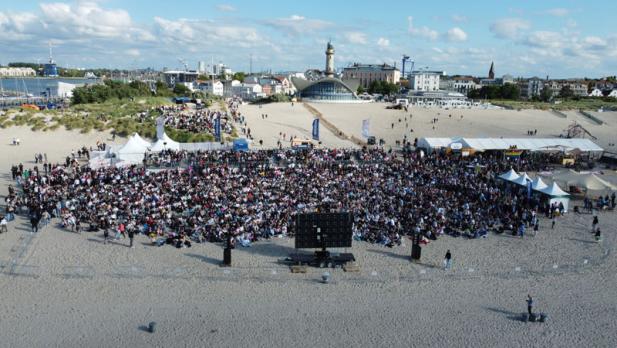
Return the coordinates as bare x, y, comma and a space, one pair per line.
448, 260
34, 221
529, 304
131, 236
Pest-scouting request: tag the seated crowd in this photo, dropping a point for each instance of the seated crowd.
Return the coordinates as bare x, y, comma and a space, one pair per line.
253, 195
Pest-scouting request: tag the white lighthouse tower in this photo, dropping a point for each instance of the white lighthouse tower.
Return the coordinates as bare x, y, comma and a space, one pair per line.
330, 60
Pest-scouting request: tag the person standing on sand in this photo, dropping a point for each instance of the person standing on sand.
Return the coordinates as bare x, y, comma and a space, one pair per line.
131, 232
529, 304
447, 262
594, 224
553, 223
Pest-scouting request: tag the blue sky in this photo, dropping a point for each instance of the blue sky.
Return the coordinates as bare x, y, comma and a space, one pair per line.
523, 38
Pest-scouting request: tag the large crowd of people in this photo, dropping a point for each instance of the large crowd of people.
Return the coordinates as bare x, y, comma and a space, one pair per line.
195, 120
253, 195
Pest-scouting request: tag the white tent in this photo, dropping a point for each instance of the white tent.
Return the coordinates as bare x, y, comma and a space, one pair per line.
134, 149
165, 143
530, 144
554, 191
522, 180
510, 175
141, 140
586, 180
537, 184
557, 195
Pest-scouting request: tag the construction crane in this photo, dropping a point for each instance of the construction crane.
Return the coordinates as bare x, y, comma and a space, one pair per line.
406, 59
183, 62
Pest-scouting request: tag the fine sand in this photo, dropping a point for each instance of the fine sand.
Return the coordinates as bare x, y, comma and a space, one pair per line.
62, 289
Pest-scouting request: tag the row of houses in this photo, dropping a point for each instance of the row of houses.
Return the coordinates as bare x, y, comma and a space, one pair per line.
17, 72
531, 87
253, 87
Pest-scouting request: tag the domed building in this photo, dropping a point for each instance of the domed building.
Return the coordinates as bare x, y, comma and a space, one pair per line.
325, 87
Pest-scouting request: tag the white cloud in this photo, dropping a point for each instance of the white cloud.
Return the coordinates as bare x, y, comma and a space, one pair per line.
356, 37
225, 8
296, 24
133, 52
87, 18
594, 42
508, 28
459, 18
383, 42
558, 12
423, 32
456, 34
545, 39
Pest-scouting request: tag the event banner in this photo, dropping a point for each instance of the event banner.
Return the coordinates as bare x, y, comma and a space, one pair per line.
365, 128
316, 129
217, 128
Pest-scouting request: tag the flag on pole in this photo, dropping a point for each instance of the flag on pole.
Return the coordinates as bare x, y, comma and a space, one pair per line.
316, 129
365, 128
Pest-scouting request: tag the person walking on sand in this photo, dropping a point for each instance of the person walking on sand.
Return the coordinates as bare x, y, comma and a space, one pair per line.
529, 304
594, 224
447, 262
553, 223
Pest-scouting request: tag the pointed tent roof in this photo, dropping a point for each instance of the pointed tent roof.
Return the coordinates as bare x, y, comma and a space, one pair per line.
141, 140
522, 179
537, 184
554, 191
165, 143
134, 145
510, 175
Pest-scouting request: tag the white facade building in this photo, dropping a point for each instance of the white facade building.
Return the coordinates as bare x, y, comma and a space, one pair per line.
213, 87
613, 94
425, 80
596, 93
461, 84
248, 91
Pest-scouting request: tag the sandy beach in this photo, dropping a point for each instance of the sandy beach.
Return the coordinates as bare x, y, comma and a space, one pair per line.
63, 289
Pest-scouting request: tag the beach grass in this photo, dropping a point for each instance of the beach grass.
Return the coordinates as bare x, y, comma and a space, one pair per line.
113, 114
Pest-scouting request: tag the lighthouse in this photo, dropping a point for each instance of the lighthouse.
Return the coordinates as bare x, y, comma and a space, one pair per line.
330, 60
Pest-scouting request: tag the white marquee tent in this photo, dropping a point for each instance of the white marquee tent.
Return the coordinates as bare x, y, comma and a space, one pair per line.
510, 175
522, 179
537, 184
165, 143
530, 144
134, 149
556, 195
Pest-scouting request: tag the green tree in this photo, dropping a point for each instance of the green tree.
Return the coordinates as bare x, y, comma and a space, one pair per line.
181, 90
546, 94
239, 76
566, 92
510, 91
360, 90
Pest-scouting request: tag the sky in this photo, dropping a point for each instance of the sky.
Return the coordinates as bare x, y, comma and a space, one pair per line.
524, 38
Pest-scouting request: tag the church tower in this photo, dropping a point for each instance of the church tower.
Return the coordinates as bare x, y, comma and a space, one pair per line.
491, 72
330, 60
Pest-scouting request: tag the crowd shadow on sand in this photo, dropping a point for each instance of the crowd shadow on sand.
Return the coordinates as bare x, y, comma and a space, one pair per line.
583, 241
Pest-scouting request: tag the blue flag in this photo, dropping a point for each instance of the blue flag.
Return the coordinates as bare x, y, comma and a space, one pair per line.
316, 129
217, 128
